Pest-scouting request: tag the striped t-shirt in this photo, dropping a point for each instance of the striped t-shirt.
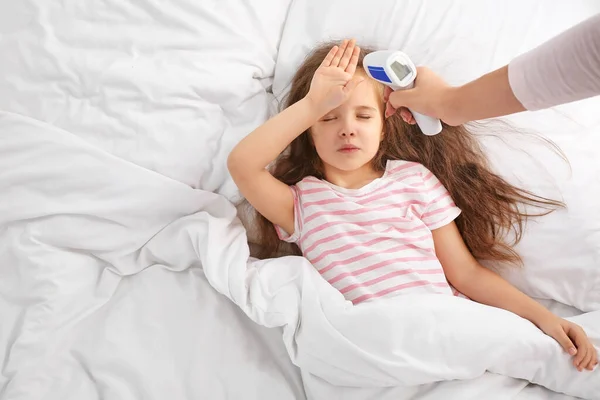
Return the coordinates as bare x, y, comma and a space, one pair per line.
374, 241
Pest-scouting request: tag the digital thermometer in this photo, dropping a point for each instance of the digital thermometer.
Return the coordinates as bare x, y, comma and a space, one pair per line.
396, 70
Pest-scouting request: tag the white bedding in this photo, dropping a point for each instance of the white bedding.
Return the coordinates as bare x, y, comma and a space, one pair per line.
170, 86
113, 114
461, 40
158, 86
71, 232
86, 313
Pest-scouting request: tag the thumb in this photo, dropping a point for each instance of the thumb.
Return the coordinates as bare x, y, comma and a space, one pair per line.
352, 84
563, 339
401, 98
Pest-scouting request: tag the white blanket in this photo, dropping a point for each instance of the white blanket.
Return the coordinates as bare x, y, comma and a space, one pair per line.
169, 86
70, 208
73, 326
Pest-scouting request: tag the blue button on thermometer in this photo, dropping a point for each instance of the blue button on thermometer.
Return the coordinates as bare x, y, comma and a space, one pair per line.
396, 70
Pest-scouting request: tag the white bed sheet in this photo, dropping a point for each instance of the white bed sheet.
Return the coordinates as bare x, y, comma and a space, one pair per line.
84, 315
103, 293
169, 87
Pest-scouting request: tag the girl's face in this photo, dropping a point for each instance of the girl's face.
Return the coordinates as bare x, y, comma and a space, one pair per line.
348, 137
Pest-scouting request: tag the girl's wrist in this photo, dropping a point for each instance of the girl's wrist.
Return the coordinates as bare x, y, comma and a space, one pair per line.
308, 111
316, 108
540, 315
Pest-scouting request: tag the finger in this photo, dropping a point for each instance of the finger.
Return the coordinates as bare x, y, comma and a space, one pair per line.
386, 93
389, 110
590, 359
338, 55
329, 57
402, 98
352, 84
407, 116
351, 69
563, 339
348, 52
581, 355
581, 341
583, 364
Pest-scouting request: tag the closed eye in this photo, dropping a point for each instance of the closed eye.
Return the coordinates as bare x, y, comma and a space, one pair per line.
364, 116
328, 119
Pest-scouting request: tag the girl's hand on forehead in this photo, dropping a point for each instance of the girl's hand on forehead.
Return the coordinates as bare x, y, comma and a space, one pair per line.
335, 79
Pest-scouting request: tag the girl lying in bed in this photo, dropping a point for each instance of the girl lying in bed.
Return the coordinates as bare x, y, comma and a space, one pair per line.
381, 209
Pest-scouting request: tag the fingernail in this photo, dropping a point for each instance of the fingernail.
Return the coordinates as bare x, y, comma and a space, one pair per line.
572, 351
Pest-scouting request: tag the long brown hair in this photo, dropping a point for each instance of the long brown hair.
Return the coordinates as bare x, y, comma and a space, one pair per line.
492, 208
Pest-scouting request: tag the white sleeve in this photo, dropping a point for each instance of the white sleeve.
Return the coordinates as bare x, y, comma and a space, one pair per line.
295, 236
564, 69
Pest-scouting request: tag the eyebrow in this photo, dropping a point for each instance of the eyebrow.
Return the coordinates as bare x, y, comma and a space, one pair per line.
366, 108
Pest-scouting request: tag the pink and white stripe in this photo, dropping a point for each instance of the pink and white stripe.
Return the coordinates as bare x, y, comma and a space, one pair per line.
375, 241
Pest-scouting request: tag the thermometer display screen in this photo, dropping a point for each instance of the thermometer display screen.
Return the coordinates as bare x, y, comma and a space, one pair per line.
401, 70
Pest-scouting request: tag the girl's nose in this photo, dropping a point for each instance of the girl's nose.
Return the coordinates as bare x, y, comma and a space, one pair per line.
347, 126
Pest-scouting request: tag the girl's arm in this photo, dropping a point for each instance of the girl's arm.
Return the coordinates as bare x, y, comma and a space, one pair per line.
487, 287
331, 85
247, 163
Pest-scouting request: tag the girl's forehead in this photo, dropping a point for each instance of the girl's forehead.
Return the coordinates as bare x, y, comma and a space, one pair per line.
369, 91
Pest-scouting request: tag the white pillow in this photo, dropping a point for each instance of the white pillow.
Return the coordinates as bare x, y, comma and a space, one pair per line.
462, 40
171, 85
